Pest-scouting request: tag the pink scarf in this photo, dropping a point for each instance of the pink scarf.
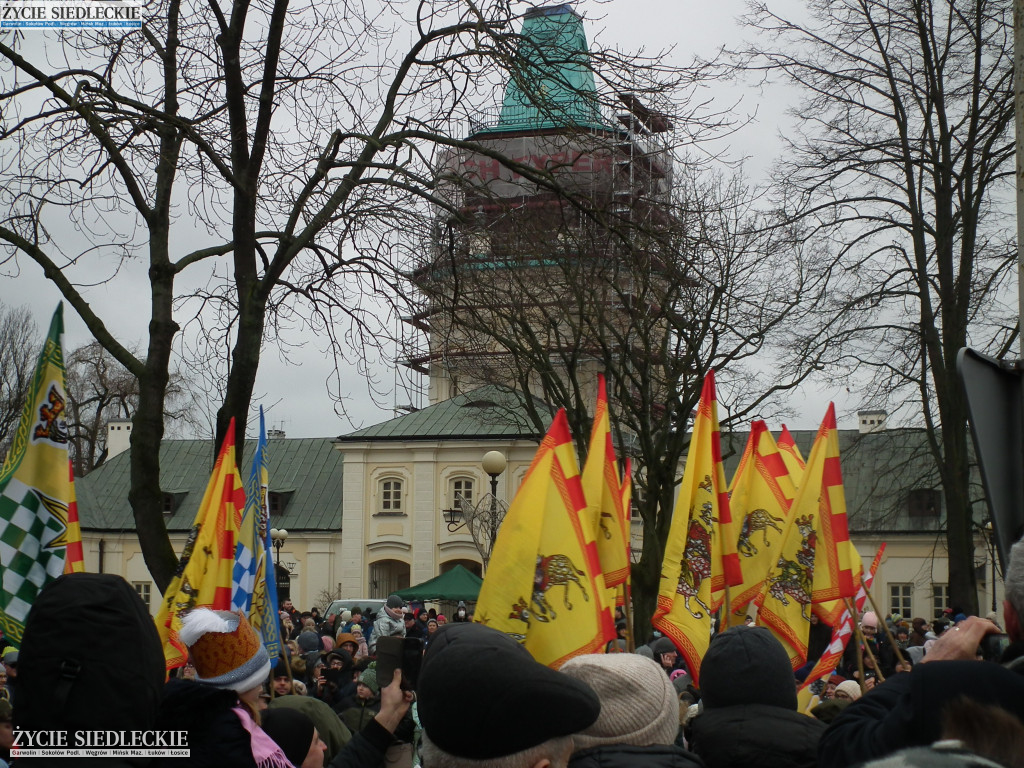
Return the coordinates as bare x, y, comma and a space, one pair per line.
265, 751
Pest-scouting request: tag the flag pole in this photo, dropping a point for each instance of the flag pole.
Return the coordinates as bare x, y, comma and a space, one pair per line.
858, 638
878, 668
627, 613
885, 625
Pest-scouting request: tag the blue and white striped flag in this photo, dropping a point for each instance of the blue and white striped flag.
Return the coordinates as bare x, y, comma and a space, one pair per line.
243, 577
262, 592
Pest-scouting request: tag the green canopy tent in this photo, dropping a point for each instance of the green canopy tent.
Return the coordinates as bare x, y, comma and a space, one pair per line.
456, 584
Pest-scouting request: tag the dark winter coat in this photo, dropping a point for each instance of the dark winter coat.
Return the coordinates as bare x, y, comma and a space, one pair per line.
367, 748
216, 737
758, 735
749, 701
360, 714
626, 756
906, 710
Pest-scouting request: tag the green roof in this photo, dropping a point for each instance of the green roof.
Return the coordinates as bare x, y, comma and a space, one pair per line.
307, 472
492, 411
880, 470
552, 84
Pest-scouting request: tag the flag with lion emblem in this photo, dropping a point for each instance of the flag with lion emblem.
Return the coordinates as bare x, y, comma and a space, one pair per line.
693, 552
542, 585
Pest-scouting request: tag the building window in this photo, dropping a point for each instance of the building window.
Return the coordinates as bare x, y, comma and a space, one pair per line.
461, 490
143, 588
924, 502
940, 599
391, 497
275, 502
900, 599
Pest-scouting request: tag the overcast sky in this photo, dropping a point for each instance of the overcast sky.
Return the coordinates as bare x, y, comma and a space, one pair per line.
295, 394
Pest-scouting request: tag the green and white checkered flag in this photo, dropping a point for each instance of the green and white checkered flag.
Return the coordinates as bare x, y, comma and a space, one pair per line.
35, 490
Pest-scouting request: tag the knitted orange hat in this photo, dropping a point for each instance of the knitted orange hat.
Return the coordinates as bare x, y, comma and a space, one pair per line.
226, 651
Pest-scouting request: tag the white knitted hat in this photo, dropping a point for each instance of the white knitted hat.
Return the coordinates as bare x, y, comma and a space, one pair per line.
639, 705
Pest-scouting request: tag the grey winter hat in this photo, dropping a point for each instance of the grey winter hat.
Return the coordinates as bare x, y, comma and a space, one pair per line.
747, 665
639, 705
395, 602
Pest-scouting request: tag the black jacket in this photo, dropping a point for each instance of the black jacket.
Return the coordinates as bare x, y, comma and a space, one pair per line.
367, 748
216, 737
906, 710
625, 756
756, 735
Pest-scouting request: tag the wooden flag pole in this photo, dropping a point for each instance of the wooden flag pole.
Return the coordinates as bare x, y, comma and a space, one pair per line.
628, 615
857, 638
878, 669
885, 625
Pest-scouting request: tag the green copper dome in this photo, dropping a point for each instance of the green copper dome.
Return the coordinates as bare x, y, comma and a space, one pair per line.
552, 85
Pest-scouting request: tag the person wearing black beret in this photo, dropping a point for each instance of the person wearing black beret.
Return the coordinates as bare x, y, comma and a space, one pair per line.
483, 700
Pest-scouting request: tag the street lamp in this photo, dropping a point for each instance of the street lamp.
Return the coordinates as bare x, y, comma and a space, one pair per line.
278, 536
494, 464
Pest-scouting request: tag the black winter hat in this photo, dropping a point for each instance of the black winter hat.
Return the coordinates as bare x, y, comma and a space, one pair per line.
747, 665
291, 730
513, 702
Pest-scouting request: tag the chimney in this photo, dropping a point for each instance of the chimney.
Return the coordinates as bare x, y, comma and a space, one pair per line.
871, 421
119, 433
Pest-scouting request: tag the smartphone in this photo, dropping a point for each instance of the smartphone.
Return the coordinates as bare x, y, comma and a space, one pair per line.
404, 653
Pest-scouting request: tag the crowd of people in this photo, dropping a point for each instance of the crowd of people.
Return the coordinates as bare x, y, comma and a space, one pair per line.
905, 694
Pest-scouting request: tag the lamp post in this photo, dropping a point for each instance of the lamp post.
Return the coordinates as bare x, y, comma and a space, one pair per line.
485, 517
494, 463
278, 536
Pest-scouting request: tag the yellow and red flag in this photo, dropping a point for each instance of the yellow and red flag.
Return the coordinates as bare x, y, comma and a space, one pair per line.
542, 586
203, 576
814, 570
791, 455
693, 552
761, 496
74, 559
841, 634
626, 495
603, 491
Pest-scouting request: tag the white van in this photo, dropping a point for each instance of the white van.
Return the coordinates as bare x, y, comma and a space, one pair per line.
369, 606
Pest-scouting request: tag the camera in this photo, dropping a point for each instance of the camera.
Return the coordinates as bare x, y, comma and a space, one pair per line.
993, 646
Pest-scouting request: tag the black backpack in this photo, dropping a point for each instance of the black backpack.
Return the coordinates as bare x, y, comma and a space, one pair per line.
90, 658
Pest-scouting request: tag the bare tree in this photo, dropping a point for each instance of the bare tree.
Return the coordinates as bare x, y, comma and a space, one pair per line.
100, 389
900, 171
654, 298
250, 156
19, 349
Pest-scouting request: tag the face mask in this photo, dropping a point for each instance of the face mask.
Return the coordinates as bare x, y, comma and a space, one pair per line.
462, 613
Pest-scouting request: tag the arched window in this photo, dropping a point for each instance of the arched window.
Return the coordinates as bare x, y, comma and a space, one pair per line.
390, 497
461, 489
